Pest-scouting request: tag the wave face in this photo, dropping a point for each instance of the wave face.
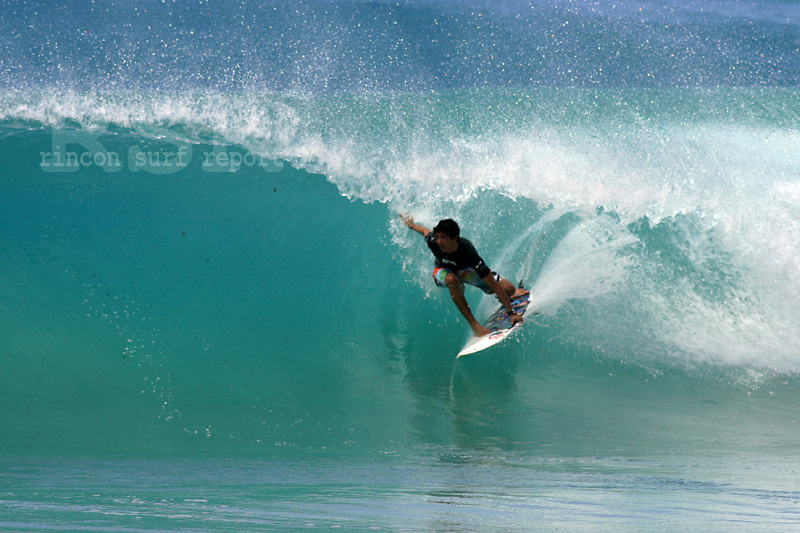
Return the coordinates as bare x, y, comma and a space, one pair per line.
201, 249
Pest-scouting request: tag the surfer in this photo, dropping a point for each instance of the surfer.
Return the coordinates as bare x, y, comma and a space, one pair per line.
457, 262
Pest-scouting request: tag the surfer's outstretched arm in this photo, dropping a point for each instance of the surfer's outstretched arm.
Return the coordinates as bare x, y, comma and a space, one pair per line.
422, 230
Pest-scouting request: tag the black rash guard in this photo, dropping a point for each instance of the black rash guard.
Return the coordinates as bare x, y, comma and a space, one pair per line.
465, 257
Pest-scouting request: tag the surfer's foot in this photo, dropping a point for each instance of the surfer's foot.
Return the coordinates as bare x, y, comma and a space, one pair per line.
521, 292
480, 331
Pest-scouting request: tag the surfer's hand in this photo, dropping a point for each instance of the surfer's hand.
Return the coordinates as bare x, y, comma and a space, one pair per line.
516, 319
422, 230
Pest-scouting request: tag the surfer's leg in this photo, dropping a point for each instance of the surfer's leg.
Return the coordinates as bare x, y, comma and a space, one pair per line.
507, 286
510, 289
453, 283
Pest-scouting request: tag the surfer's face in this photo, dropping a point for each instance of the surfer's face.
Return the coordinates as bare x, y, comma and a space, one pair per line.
446, 243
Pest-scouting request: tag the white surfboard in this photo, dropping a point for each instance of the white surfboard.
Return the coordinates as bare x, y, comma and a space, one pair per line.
500, 325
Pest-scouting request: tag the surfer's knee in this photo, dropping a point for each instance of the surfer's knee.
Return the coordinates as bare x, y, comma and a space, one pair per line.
452, 281
507, 286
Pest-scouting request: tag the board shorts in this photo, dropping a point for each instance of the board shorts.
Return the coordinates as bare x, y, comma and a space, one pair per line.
468, 276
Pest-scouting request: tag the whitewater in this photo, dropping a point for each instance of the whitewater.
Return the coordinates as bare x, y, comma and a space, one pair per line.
212, 317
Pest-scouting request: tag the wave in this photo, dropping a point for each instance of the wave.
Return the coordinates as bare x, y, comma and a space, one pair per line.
256, 303
631, 154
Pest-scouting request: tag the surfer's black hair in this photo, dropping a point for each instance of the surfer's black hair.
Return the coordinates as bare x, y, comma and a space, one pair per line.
449, 227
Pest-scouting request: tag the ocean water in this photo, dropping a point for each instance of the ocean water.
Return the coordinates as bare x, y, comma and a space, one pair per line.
212, 318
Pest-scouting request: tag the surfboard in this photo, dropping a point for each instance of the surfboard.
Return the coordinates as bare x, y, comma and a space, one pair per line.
501, 327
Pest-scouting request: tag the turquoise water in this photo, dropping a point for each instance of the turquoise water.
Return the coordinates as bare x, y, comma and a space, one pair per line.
455, 493
211, 317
